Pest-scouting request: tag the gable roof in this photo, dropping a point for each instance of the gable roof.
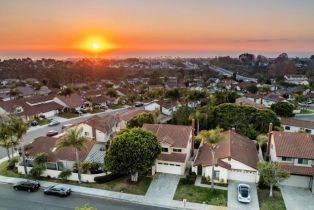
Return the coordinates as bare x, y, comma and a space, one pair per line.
126, 116
175, 135
74, 100
48, 144
233, 145
297, 122
104, 124
297, 145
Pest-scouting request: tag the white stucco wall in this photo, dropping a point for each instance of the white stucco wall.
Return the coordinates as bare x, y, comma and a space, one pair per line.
296, 129
55, 174
87, 130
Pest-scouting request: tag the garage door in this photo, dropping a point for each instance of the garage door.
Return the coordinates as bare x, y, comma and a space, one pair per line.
297, 181
242, 175
169, 168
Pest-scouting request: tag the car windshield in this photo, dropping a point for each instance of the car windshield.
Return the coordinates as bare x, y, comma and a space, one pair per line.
244, 191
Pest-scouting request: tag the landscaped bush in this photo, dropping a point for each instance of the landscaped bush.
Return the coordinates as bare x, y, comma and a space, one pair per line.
85, 166
95, 168
65, 173
190, 179
207, 180
12, 162
36, 171
107, 178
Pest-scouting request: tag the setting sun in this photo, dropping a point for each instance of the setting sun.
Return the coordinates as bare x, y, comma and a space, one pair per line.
95, 44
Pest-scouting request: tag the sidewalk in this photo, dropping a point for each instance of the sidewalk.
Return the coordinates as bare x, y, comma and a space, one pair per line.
121, 196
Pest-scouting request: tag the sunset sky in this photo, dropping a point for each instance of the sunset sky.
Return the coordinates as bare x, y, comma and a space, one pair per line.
40, 28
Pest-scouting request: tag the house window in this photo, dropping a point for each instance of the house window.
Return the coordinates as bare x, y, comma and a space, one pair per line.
164, 149
286, 159
308, 131
177, 150
216, 174
287, 128
303, 161
86, 133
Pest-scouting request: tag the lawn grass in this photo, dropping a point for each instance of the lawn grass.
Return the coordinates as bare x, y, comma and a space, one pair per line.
306, 111
5, 172
96, 110
118, 185
44, 121
267, 203
68, 115
115, 106
198, 194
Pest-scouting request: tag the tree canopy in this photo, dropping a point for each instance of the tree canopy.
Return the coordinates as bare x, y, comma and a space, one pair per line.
132, 151
283, 109
139, 120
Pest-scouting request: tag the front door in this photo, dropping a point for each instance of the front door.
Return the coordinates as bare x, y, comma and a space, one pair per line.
199, 170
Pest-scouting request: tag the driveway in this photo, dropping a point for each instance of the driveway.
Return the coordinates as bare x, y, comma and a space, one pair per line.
297, 198
234, 204
163, 187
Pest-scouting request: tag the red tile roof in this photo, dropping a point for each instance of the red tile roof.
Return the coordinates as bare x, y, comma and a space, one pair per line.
48, 144
297, 122
126, 116
104, 124
173, 157
297, 145
72, 101
175, 135
298, 170
233, 145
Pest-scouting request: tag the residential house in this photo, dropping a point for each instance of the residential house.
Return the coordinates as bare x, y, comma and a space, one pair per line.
100, 128
28, 110
235, 159
246, 101
296, 79
296, 125
272, 98
177, 146
124, 117
295, 153
71, 101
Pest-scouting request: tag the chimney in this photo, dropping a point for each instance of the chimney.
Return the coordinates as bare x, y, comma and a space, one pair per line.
270, 132
193, 136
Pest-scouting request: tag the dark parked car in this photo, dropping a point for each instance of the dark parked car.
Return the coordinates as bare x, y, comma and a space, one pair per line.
58, 190
51, 133
34, 123
29, 186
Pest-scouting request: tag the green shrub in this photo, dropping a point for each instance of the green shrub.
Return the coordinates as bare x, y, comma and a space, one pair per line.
190, 179
36, 171
12, 162
107, 178
85, 166
95, 167
65, 173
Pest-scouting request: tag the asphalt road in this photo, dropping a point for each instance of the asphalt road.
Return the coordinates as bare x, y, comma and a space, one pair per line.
36, 132
230, 73
21, 200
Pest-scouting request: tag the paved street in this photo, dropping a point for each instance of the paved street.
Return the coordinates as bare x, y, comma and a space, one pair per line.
234, 204
36, 132
308, 117
20, 200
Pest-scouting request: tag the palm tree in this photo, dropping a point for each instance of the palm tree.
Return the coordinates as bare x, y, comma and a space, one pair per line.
212, 138
18, 129
198, 115
74, 139
4, 139
261, 140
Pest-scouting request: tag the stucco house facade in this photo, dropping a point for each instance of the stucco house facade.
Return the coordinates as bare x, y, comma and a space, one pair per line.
235, 159
295, 153
176, 142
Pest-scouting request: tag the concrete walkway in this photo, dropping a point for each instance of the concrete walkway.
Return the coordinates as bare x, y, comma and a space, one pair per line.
163, 187
297, 198
122, 196
198, 182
